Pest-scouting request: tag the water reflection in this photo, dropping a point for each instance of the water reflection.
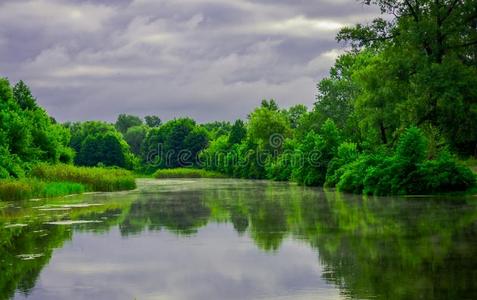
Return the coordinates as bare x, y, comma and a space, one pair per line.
206, 239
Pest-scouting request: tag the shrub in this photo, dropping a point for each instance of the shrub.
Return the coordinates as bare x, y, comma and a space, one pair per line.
347, 153
280, 169
443, 174
353, 174
405, 172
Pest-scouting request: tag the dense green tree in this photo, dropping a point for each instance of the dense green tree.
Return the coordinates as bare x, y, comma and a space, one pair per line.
425, 70
269, 104
153, 121
314, 154
124, 122
99, 143
174, 144
337, 94
295, 113
27, 134
135, 137
23, 96
238, 132
216, 129
268, 127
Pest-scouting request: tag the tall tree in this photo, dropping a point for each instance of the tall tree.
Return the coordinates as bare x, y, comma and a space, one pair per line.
153, 121
23, 96
124, 122
428, 52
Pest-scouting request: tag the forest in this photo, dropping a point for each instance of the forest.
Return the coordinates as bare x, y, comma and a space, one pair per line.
396, 115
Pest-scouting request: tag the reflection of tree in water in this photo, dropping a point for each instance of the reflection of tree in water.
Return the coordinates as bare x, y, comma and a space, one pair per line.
38, 240
369, 248
16, 273
183, 213
240, 220
397, 249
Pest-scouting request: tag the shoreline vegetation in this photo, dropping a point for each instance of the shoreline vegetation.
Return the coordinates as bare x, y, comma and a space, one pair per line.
187, 173
48, 181
397, 115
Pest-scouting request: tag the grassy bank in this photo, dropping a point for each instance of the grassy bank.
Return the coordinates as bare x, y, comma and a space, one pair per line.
186, 173
29, 188
95, 179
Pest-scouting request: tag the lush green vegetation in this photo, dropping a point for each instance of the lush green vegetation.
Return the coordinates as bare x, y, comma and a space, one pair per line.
186, 173
27, 133
11, 190
95, 179
35, 151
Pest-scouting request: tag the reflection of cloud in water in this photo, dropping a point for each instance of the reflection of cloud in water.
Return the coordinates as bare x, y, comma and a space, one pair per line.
214, 264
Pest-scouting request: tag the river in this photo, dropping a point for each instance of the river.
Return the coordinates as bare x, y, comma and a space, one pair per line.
238, 239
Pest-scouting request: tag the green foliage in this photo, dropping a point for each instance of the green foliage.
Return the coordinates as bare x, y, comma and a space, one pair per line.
315, 153
100, 143
27, 134
95, 179
238, 132
135, 137
443, 174
177, 143
248, 160
217, 129
346, 154
23, 96
186, 173
420, 69
295, 113
267, 122
56, 189
281, 167
407, 171
29, 188
308, 155
153, 121
124, 122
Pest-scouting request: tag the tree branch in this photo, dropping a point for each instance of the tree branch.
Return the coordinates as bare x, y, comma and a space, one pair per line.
413, 11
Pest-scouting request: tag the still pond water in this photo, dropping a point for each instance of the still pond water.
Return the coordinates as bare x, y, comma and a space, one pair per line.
237, 239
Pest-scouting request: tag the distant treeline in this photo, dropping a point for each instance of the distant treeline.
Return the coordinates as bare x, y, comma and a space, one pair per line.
395, 113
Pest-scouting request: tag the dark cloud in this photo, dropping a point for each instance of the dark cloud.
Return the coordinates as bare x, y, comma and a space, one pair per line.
209, 59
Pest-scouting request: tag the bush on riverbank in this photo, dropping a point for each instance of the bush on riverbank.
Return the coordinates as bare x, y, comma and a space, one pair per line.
28, 188
95, 179
407, 171
186, 173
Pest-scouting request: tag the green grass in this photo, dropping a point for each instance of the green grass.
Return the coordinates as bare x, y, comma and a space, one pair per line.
28, 188
56, 189
95, 179
186, 173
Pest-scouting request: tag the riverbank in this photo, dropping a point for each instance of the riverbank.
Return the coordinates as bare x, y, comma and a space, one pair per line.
187, 173
46, 181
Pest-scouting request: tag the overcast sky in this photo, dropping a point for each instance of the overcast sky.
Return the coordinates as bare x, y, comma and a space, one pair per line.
207, 59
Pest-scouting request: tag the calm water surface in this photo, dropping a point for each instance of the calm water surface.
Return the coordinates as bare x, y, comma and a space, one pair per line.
234, 239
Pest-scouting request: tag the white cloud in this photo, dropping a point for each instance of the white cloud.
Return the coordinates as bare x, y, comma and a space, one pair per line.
300, 26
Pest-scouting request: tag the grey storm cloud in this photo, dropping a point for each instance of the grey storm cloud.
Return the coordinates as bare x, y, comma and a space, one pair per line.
207, 59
